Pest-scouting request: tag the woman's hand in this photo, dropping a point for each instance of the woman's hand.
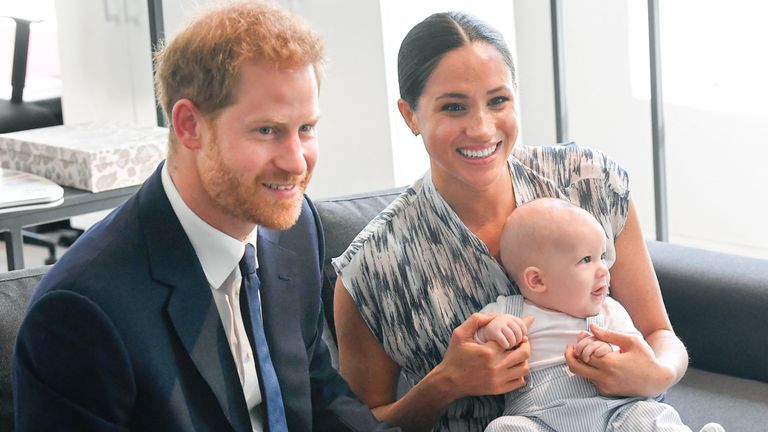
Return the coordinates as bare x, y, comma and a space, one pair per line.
634, 370
467, 369
587, 346
472, 369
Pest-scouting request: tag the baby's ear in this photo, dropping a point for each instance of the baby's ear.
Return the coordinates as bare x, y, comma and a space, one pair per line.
534, 279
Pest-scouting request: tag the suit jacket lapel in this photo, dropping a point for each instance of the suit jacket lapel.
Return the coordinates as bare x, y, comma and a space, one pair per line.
276, 273
191, 307
281, 309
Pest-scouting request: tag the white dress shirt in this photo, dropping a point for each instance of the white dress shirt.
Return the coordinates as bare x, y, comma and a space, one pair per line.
219, 255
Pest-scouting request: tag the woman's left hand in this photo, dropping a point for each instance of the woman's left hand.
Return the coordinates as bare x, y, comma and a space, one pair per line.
632, 371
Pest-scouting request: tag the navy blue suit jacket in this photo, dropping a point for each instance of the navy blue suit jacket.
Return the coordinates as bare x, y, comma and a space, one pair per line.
123, 333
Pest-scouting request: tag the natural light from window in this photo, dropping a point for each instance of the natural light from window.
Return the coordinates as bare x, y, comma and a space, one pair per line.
714, 68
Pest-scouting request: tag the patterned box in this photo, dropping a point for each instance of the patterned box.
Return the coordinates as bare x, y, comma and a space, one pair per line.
94, 157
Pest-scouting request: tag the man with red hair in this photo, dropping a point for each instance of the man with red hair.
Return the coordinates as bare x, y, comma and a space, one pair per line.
196, 304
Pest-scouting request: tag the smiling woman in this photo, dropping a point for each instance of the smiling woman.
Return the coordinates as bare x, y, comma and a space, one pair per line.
432, 256
468, 122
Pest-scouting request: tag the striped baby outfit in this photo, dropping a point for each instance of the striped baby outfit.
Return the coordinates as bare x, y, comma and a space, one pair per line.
554, 399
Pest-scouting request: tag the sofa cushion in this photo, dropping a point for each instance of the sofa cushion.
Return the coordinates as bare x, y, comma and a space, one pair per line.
342, 219
736, 403
15, 291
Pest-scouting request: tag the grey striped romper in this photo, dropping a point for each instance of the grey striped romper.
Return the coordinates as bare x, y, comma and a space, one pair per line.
555, 400
416, 272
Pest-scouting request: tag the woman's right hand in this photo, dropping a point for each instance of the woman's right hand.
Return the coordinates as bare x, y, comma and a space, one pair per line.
467, 369
472, 369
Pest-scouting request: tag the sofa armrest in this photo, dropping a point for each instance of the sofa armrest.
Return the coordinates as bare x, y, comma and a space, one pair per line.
718, 304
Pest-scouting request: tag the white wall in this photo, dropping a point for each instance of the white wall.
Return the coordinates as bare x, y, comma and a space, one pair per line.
177, 12
106, 62
535, 77
355, 151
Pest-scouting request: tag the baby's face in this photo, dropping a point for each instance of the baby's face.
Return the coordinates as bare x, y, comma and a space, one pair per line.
576, 276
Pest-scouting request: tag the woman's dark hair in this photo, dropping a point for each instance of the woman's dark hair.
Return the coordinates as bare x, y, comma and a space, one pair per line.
427, 42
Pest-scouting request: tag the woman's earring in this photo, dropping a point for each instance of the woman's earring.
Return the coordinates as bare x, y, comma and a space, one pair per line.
415, 133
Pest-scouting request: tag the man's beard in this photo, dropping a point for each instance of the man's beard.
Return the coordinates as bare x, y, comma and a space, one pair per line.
247, 201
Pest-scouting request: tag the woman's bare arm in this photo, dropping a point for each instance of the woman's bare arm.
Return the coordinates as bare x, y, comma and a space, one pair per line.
468, 369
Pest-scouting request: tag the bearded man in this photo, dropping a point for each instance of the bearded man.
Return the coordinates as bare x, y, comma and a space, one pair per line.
196, 304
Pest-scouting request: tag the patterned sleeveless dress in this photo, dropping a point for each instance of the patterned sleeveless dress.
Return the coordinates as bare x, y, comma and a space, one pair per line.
416, 271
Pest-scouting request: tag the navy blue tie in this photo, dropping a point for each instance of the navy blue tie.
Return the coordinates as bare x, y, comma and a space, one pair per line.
271, 387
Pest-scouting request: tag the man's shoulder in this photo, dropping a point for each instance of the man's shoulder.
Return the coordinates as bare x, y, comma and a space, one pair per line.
106, 256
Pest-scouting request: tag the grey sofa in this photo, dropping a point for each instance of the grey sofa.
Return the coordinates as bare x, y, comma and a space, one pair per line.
718, 304
15, 290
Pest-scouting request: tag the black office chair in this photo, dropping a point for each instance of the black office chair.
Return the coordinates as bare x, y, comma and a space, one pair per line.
17, 115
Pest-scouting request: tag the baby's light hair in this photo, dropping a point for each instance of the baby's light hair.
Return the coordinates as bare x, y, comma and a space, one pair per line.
535, 229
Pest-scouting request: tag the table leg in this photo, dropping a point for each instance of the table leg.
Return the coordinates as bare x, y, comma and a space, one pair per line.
14, 248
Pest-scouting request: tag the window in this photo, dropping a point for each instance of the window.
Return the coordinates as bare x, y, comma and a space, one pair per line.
713, 68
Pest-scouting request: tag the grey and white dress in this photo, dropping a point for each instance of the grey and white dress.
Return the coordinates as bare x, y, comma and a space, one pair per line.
416, 271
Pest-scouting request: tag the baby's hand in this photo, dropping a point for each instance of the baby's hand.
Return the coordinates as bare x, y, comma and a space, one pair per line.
506, 330
588, 346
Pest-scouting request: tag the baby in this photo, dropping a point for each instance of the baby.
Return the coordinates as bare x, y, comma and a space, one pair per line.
556, 253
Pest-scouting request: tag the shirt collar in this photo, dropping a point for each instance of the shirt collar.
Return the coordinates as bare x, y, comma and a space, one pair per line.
219, 254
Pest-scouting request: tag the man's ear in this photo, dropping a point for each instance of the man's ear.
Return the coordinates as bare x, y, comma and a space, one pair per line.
407, 113
534, 279
187, 124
